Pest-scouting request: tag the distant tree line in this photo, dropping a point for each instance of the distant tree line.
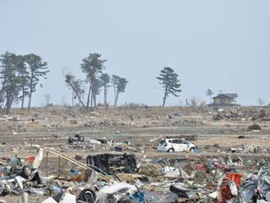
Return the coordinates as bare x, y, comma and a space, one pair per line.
19, 76
96, 80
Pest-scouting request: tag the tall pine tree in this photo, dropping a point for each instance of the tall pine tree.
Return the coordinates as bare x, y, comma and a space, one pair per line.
170, 83
37, 69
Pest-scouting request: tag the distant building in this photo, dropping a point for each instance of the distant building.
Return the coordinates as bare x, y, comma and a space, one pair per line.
225, 101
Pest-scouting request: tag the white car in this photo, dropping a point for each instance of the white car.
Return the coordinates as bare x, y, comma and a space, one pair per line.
176, 145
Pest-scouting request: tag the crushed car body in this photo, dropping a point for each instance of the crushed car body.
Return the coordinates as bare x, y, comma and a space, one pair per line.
111, 163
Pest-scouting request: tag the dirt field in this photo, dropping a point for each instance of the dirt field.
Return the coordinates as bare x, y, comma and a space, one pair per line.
142, 127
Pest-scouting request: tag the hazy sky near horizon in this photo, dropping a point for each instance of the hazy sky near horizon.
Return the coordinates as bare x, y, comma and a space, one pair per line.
217, 44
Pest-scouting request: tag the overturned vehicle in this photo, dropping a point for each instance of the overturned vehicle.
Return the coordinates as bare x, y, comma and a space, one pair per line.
111, 163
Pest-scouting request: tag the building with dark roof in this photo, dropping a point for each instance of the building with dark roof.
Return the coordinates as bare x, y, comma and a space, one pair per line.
226, 101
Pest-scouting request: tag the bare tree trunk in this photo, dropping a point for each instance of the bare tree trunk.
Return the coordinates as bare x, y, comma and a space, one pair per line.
165, 96
30, 98
164, 101
77, 95
95, 100
23, 92
116, 99
105, 96
31, 91
94, 93
88, 97
79, 98
7, 105
72, 98
22, 100
91, 97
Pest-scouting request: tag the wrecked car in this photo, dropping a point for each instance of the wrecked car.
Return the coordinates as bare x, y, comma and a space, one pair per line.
76, 139
111, 163
176, 145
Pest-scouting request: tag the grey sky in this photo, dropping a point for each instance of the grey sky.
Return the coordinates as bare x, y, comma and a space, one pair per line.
217, 44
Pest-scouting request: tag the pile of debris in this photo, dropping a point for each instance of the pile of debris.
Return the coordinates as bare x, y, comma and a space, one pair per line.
72, 182
78, 141
121, 177
256, 187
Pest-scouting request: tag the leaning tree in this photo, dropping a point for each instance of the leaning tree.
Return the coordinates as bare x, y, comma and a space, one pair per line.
76, 86
170, 83
119, 85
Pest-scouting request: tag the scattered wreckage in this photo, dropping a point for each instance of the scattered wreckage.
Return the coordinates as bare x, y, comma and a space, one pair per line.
78, 140
72, 181
119, 177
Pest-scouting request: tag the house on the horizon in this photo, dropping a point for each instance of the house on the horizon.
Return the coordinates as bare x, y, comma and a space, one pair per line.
225, 101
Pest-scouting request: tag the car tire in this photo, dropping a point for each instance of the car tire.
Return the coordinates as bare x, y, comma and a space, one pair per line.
88, 195
192, 150
171, 150
26, 172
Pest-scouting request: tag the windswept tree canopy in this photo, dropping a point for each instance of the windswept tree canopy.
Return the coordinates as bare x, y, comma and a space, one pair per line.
92, 66
10, 81
119, 85
76, 86
37, 69
170, 83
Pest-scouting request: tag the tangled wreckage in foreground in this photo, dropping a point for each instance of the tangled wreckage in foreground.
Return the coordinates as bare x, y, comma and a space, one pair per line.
72, 182
56, 177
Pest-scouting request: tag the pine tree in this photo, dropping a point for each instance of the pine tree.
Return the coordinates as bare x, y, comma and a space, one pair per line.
76, 86
92, 66
119, 85
10, 82
170, 83
105, 81
37, 69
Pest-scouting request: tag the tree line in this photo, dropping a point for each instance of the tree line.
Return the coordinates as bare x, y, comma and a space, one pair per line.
97, 80
20, 75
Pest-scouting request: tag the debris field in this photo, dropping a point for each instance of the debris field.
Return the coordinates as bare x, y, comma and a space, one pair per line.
135, 154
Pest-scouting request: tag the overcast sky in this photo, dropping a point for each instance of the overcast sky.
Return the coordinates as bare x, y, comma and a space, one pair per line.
217, 44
